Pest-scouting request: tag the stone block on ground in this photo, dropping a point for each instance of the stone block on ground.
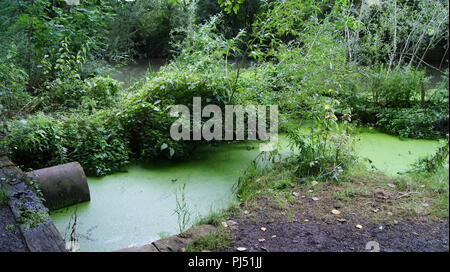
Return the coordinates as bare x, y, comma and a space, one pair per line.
174, 243
145, 248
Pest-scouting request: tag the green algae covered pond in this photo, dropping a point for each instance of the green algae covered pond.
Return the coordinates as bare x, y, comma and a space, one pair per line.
137, 207
390, 154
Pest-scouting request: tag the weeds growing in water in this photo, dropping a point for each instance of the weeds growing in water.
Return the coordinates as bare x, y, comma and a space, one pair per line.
182, 209
323, 152
264, 162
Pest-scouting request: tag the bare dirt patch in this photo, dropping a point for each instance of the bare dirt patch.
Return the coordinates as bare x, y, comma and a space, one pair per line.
319, 218
316, 235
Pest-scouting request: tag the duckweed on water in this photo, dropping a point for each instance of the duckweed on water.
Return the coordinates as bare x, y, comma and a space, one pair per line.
137, 207
390, 154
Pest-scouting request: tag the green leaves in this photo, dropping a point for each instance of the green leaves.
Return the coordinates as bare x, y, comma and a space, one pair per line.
230, 6
72, 92
94, 140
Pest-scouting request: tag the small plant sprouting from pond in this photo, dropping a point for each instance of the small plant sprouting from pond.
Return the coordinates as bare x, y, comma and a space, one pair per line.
182, 209
325, 152
267, 159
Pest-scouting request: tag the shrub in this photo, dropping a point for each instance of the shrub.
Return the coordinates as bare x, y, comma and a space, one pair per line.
322, 147
96, 141
319, 155
64, 93
147, 127
145, 114
411, 122
102, 90
200, 70
396, 88
397, 102
71, 92
36, 142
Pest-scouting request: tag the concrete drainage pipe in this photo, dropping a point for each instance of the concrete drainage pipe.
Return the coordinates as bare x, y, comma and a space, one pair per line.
62, 185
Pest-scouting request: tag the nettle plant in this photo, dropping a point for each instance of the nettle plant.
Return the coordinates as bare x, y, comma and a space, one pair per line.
321, 146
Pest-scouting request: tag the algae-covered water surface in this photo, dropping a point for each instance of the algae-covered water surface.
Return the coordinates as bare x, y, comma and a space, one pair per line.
392, 154
137, 207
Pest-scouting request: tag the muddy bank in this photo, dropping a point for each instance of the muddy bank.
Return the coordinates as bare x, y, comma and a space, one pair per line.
315, 221
315, 235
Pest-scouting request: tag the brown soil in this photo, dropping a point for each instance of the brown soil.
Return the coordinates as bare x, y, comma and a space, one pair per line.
313, 236
307, 226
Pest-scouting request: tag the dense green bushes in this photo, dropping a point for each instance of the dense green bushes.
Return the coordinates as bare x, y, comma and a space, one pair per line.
96, 141
136, 127
412, 122
146, 122
39, 135
397, 102
308, 57
396, 88
105, 140
40, 28
97, 92
435, 162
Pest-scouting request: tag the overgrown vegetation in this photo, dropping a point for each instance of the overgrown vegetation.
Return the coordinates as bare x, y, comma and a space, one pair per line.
64, 107
328, 65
